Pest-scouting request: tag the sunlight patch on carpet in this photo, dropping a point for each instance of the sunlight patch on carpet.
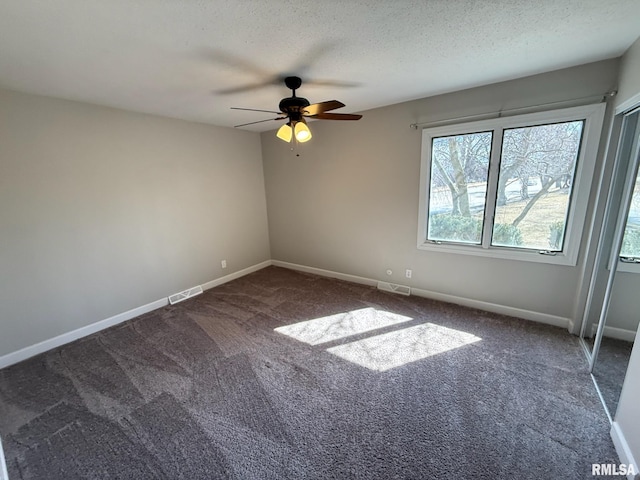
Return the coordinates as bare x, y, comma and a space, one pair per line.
341, 325
390, 350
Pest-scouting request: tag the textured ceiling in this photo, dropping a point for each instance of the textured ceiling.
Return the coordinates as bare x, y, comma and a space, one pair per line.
175, 57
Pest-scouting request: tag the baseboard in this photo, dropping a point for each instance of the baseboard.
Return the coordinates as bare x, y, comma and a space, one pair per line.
4, 475
326, 273
619, 334
622, 449
41, 347
539, 317
443, 297
32, 350
615, 332
238, 274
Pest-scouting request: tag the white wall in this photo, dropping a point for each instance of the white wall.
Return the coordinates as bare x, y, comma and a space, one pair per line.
627, 418
629, 83
103, 210
349, 203
626, 430
624, 310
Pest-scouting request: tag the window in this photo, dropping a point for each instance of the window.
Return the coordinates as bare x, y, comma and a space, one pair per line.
513, 187
630, 250
460, 168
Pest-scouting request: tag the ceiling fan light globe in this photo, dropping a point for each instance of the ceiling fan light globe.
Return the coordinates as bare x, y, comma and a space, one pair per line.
285, 132
303, 134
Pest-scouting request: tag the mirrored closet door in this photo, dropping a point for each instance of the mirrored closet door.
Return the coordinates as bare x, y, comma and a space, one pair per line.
613, 304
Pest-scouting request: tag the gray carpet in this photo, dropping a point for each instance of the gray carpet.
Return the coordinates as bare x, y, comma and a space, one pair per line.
611, 368
284, 375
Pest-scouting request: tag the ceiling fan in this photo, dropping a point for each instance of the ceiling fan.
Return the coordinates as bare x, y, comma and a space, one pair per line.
296, 110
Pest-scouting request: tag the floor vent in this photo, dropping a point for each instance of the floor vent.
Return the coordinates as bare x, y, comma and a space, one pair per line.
393, 288
180, 296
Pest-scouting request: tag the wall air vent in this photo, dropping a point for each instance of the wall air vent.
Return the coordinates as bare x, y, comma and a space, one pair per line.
180, 296
393, 288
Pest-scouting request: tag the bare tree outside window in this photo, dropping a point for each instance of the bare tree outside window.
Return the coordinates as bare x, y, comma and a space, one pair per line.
535, 180
537, 167
631, 239
458, 187
515, 187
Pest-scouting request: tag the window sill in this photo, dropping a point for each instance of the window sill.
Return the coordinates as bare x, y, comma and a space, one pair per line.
501, 252
628, 267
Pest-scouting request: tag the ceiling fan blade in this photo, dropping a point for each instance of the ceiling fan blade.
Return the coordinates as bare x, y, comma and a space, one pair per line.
312, 56
246, 88
316, 108
277, 80
220, 57
254, 110
337, 116
330, 83
259, 121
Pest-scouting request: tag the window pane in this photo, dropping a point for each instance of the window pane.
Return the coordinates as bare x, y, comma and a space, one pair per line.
459, 170
537, 166
631, 240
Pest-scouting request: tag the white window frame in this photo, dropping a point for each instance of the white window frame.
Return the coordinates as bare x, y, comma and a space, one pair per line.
633, 153
626, 267
592, 115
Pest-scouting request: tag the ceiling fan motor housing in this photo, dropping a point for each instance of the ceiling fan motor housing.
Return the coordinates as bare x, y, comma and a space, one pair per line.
293, 104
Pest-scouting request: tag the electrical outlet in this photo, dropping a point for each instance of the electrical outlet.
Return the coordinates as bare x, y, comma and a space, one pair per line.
408, 273
223, 263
